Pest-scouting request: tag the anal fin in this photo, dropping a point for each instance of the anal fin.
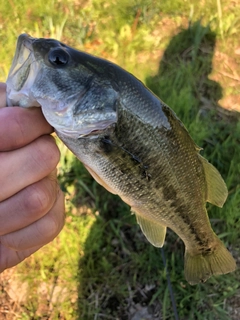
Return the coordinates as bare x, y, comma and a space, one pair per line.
154, 232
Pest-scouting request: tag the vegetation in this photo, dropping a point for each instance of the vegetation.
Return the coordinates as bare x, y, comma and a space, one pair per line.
101, 266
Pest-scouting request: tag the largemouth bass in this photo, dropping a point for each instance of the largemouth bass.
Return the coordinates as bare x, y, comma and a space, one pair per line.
131, 143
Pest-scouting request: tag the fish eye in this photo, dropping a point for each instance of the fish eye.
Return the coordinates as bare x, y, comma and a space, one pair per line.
58, 57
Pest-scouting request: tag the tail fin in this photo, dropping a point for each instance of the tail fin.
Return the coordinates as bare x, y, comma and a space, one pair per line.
198, 268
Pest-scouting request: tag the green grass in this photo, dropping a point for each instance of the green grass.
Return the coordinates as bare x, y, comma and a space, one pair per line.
101, 266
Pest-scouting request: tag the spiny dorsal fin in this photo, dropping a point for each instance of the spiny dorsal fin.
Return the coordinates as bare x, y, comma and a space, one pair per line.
154, 232
216, 188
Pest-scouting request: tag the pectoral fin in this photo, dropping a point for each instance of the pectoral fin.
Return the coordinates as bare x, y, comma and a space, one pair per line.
154, 232
216, 188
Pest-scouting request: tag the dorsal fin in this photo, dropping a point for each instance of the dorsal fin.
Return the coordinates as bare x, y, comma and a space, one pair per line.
216, 188
154, 231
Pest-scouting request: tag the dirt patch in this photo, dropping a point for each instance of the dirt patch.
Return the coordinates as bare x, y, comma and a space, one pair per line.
12, 294
227, 74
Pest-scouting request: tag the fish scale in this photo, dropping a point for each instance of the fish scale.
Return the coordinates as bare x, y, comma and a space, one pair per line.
150, 197
131, 143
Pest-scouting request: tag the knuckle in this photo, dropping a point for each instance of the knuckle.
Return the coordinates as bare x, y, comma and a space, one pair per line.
46, 153
12, 242
53, 226
17, 126
49, 229
55, 219
37, 199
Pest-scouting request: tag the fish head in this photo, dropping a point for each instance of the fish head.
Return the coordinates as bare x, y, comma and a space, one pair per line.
76, 96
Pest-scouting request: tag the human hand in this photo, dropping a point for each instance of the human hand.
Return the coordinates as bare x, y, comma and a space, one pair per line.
31, 202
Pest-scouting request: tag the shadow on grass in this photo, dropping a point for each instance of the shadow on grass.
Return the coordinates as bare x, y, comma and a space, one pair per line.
121, 276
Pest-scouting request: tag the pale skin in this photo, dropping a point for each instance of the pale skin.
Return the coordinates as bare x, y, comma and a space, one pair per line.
31, 202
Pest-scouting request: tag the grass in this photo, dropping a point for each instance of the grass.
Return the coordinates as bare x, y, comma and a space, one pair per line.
101, 266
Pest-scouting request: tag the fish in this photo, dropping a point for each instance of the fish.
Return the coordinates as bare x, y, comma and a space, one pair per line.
130, 141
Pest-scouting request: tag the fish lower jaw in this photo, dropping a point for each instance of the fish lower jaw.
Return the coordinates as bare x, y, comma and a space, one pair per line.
20, 99
79, 132
73, 134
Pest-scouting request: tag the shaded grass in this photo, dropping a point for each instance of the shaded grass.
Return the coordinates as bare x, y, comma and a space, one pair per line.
101, 264
183, 83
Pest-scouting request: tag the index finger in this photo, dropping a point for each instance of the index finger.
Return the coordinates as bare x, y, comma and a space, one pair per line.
19, 126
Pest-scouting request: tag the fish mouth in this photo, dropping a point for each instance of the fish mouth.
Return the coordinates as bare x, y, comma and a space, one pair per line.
26, 87
22, 74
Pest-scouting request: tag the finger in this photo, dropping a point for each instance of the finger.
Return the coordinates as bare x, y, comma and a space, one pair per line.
28, 205
9, 257
3, 96
40, 232
25, 166
19, 126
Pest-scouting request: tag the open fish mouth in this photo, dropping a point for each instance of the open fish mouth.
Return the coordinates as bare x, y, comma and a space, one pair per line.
65, 102
22, 74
